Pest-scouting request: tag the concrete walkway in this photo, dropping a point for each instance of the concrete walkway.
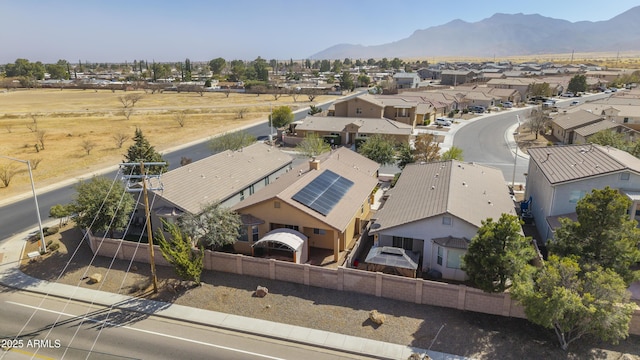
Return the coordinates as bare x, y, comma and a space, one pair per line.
11, 276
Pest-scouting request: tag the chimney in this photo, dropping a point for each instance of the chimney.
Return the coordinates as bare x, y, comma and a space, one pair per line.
314, 164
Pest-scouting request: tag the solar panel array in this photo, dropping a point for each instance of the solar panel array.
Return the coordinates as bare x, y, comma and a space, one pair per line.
324, 192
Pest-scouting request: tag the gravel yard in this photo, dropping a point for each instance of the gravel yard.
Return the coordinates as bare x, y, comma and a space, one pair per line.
447, 330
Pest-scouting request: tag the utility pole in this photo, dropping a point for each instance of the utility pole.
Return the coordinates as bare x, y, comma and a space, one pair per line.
147, 212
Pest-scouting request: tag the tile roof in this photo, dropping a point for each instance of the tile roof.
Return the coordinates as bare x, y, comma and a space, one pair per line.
468, 191
220, 176
596, 127
368, 126
344, 162
576, 119
573, 162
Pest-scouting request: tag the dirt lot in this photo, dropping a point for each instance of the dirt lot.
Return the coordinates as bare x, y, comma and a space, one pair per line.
70, 117
463, 333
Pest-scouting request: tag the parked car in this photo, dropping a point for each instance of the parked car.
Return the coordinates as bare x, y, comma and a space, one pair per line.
507, 104
443, 122
477, 109
574, 102
567, 94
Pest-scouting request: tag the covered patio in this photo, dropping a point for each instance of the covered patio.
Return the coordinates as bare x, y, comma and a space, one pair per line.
282, 244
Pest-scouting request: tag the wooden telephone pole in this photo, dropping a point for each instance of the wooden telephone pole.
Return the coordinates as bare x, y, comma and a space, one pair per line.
147, 212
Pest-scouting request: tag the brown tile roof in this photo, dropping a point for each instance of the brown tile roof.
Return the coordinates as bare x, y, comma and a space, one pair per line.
220, 176
573, 162
344, 162
468, 191
576, 119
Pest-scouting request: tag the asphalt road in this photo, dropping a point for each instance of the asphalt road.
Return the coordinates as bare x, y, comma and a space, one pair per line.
484, 142
57, 328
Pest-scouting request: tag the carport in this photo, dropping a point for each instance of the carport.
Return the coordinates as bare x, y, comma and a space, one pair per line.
284, 240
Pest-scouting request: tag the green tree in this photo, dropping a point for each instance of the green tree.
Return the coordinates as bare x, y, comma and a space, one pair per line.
60, 212
577, 84
396, 63
142, 151
217, 65
573, 302
454, 153
364, 80
281, 116
379, 148
58, 70
261, 69
187, 261
231, 141
213, 227
346, 81
404, 155
314, 110
609, 138
238, 70
497, 253
102, 205
427, 148
539, 89
313, 145
603, 235
25, 69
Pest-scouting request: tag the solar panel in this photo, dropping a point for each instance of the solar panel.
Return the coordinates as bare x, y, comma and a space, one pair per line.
324, 192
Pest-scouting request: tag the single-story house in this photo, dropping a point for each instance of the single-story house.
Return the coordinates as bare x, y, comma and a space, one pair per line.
563, 126
349, 129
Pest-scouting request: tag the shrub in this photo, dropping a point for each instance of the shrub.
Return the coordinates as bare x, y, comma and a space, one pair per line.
54, 246
451, 114
465, 111
50, 230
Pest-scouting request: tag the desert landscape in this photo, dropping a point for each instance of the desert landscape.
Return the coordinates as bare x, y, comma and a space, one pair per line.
71, 133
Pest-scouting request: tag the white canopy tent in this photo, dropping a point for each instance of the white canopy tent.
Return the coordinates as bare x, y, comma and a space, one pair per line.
286, 240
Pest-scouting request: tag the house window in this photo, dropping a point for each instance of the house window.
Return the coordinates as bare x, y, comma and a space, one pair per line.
292, 227
358, 111
276, 204
402, 242
254, 234
626, 120
402, 112
576, 195
362, 209
446, 220
241, 195
454, 257
624, 176
319, 231
243, 234
440, 254
251, 190
266, 181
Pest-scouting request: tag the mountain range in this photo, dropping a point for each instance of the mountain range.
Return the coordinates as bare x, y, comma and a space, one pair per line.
505, 35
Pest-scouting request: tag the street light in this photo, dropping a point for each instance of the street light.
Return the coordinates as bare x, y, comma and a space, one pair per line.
43, 248
515, 160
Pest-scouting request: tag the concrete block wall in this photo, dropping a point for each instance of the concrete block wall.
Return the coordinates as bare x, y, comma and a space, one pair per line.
418, 291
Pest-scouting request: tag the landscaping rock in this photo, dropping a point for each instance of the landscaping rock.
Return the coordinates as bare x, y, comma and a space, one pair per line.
261, 291
376, 317
95, 278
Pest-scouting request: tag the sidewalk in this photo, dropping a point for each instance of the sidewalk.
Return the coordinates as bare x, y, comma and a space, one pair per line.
10, 275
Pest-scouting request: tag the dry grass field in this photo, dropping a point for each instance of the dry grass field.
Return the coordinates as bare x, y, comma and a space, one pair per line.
68, 119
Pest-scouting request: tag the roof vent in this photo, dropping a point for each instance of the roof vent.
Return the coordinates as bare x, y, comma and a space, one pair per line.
437, 175
464, 183
202, 176
433, 187
490, 203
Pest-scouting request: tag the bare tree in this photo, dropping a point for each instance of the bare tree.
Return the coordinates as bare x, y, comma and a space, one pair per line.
427, 148
295, 95
180, 117
227, 92
35, 162
312, 97
120, 138
241, 112
127, 113
7, 172
130, 100
40, 135
33, 126
538, 120
88, 145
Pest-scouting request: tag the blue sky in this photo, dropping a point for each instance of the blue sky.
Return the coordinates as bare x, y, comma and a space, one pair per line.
160, 30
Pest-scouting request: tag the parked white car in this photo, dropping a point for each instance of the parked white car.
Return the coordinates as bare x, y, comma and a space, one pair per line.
443, 122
